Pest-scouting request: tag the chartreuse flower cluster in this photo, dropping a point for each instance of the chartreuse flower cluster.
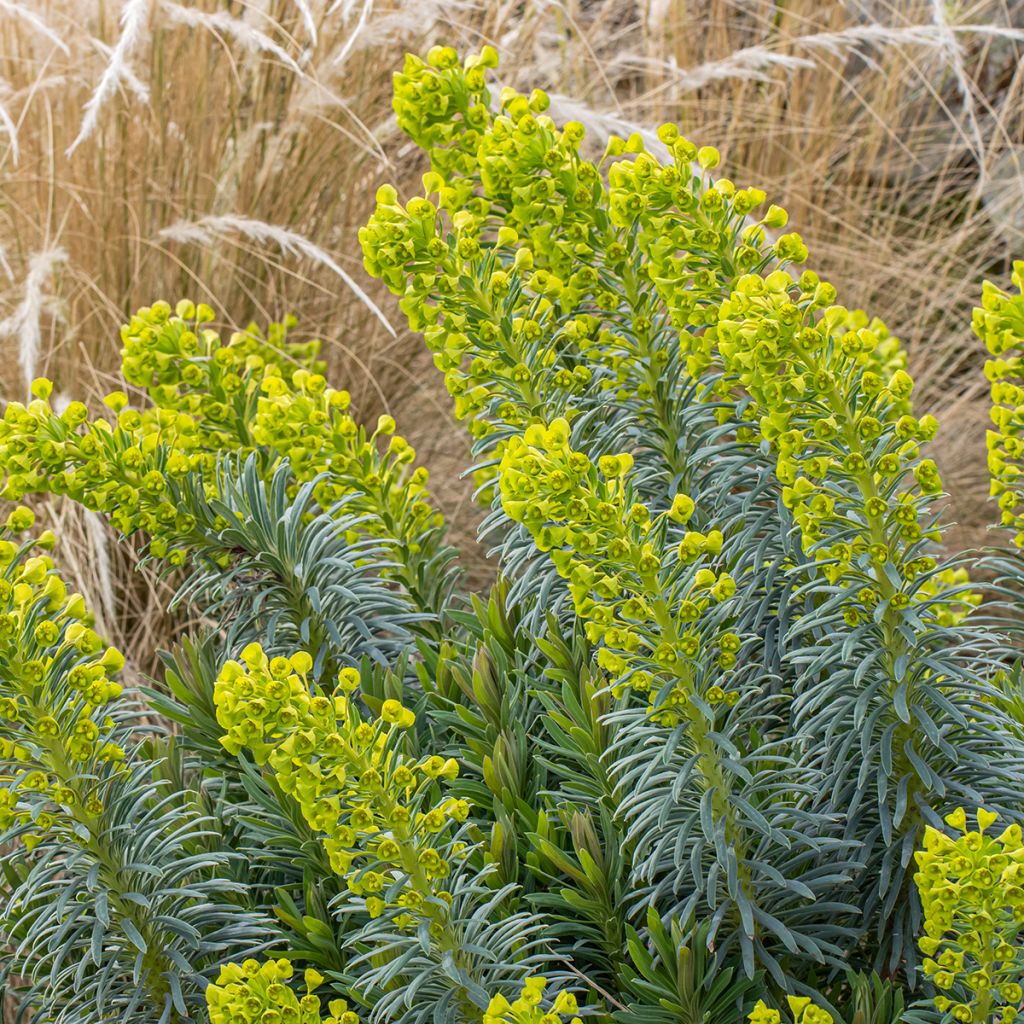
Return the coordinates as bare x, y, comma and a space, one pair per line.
507, 331
641, 598
382, 816
511, 361
443, 106
211, 398
184, 366
534, 179
56, 683
801, 1007
972, 896
530, 171
503, 353
529, 1007
125, 468
833, 441
999, 322
700, 239
258, 993
516, 301
271, 393
830, 392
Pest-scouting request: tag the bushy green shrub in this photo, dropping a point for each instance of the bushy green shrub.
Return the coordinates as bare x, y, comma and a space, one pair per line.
688, 758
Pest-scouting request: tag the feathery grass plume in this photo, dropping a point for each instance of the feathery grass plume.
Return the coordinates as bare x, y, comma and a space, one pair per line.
756, 63
134, 21
390, 26
354, 35
602, 125
206, 229
752, 64
129, 79
220, 22
306, 13
33, 20
25, 322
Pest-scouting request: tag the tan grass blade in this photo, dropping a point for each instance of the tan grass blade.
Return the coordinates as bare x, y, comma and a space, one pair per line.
354, 35
306, 13
7, 123
205, 230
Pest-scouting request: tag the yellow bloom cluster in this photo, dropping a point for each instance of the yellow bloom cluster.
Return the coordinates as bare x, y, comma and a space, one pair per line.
950, 601
501, 361
999, 322
803, 1010
182, 364
211, 397
258, 993
442, 105
270, 392
531, 170
624, 575
186, 367
796, 368
696, 232
121, 468
973, 900
515, 300
532, 173
830, 392
55, 683
380, 814
528, 1008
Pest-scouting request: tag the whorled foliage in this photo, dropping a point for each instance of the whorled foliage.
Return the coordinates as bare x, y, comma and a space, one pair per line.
692, 759
118, 902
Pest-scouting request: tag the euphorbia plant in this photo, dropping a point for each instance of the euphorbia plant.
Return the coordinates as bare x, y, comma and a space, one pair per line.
675, 766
